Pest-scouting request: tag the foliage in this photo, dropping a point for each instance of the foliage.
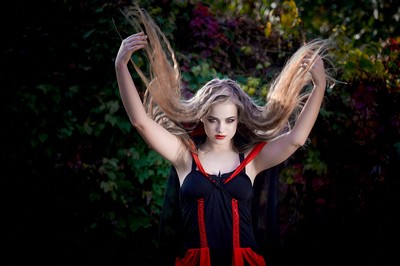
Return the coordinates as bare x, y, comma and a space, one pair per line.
71, 141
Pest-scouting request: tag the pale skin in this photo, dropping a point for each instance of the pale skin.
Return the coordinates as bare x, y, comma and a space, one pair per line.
216, 154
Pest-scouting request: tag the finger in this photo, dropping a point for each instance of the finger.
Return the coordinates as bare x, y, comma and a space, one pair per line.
133, 42
137, 39
138, 34
305, 62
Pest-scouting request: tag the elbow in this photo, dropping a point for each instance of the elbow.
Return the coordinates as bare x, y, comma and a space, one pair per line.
298, 141
140, 123
298, 144
137, 124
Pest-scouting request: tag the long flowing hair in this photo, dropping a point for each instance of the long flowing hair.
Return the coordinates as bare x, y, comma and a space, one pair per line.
164, 102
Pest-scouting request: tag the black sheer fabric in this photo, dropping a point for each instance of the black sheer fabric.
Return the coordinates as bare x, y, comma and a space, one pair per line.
170, 234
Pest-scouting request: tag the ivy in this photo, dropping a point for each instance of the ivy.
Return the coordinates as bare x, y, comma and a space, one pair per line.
70, 136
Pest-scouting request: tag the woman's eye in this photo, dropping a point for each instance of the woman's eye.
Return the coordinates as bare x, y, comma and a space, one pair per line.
230, 120
211, 120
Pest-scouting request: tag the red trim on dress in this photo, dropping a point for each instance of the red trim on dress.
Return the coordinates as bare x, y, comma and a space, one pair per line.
202, 223
241, 255
235, 224
195, 257
253, 153
249, 157
200, 166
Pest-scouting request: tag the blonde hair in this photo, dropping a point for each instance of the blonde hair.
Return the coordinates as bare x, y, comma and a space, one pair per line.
164, 102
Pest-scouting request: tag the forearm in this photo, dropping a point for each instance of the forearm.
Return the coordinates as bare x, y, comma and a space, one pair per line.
129, 95
308, 116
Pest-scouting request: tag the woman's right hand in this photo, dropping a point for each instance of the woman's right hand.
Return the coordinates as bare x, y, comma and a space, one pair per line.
130, 45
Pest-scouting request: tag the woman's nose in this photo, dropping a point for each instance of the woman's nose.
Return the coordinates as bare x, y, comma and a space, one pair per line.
220, 127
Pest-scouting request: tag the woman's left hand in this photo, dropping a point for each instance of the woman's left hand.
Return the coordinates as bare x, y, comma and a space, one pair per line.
317, 69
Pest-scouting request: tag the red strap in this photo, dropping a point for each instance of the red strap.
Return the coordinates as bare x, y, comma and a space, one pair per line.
248, 159
198, 163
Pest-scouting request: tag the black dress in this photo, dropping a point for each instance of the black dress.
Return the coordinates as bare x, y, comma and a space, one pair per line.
214, 222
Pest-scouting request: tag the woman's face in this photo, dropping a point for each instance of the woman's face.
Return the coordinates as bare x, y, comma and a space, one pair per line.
221, 123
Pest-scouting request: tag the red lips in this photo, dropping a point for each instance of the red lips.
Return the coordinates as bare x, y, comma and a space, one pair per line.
219, 137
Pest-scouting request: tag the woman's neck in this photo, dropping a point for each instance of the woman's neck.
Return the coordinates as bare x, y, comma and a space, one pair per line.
208, 146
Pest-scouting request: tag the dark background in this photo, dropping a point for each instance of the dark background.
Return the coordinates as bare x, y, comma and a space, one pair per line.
58, 141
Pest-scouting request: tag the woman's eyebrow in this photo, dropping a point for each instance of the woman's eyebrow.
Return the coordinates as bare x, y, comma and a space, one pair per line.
230, 117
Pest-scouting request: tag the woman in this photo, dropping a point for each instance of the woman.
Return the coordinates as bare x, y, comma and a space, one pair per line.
240, 139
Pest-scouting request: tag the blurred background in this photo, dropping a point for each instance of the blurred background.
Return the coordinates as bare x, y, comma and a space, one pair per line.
81, 188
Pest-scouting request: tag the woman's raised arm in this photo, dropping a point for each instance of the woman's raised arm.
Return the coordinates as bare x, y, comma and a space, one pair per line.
159, 139
279, 149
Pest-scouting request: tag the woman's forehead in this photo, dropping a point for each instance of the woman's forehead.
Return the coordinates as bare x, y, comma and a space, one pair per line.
223, 109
